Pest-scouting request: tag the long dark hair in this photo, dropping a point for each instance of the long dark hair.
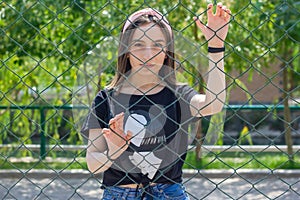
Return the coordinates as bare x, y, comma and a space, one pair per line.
124, 66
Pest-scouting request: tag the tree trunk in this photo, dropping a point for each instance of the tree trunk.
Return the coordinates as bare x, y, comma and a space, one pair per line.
287, 114
199, 134
199, 140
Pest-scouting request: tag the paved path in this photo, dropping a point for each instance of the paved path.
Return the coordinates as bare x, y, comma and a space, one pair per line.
226, 187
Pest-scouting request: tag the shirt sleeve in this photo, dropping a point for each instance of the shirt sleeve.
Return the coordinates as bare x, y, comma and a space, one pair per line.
185, 94
98, 114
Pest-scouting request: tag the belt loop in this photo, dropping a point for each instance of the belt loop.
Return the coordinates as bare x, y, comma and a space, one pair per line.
147, 191
137, 189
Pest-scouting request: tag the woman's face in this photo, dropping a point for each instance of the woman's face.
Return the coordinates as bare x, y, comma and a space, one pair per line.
147, 50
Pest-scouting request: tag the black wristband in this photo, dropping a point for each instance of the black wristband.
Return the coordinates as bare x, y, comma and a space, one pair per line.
216, 50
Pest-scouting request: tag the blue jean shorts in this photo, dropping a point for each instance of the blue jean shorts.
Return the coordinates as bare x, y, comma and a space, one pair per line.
157, 192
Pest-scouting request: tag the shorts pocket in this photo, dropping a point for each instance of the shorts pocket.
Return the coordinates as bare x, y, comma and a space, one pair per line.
110, 195
175, 192
176, 197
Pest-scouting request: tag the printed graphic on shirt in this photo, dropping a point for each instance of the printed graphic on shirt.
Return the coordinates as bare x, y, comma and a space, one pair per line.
146, 127
147, 131
147, 162
136, 124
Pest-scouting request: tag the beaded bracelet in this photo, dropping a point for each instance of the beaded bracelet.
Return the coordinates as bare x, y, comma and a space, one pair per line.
216, 50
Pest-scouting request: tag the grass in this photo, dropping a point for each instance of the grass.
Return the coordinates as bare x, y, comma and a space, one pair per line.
243, 161
48, 163
210, 161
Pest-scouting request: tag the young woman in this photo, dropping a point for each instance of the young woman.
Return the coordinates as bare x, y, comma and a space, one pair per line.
138, 125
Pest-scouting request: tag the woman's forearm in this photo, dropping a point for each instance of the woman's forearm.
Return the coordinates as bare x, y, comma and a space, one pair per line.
98, 161
96, 152
214, 98
215, 91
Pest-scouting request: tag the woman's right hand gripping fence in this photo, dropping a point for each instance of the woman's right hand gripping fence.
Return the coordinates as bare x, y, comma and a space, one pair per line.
117, 140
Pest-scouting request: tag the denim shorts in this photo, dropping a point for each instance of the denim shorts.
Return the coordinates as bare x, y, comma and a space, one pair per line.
157, 192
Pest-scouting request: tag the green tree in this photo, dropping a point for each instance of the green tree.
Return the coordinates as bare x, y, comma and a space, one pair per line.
265, 33
45, 45
287, 51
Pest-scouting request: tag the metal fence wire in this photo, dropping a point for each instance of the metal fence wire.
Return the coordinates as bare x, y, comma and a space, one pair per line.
57, 55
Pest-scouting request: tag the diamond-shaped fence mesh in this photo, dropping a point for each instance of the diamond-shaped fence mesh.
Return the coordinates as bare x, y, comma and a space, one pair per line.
57, 55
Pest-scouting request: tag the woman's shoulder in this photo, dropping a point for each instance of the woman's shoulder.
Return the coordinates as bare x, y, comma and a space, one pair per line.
183, 87
185, 91
102, 94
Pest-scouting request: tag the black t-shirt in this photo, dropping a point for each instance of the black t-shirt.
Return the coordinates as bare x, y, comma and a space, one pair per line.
159, 123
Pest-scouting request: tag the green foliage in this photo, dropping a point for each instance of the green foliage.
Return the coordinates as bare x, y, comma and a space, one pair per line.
245, 136
45, 51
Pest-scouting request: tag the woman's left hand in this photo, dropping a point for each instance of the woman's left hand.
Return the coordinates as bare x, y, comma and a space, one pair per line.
216, 29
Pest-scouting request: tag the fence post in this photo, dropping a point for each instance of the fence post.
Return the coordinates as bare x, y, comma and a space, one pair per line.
42, 134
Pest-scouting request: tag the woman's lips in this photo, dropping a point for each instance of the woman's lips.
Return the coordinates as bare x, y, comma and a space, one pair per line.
147, 65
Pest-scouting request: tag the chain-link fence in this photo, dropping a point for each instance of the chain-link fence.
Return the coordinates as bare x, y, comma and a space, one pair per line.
56, 57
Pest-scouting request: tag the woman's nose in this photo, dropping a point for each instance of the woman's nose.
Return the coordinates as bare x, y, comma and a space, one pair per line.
148, 53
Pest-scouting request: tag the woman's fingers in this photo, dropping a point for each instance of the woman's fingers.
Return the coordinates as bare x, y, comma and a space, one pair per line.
107, 134
219, 9
105, 131
223, 12
200, 24
115, 132
116, 118
120, 120
210, 10
116, 123
113, 138
228, 14
129, 135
